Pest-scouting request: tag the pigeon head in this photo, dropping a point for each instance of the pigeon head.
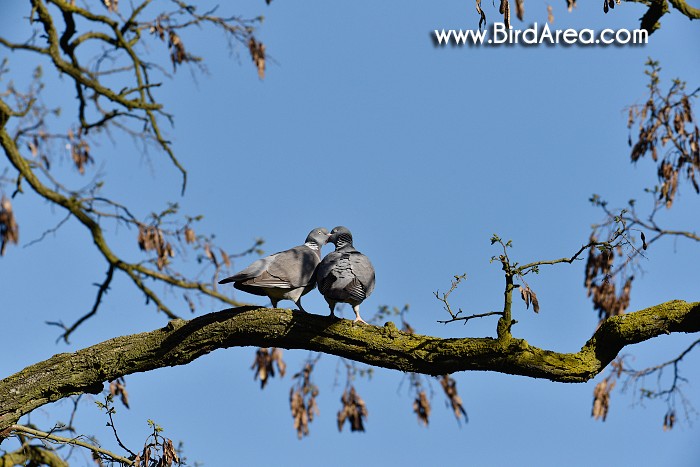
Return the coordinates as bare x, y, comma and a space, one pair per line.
319, 236
340, 236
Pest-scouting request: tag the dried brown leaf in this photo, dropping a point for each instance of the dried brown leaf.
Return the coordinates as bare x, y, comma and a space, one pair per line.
112, 5
224, 258
482, 15
525, 295
257, 53
34, 146
276, 356
209, 254
601, 399
169, 453
299, 413
177, 49
505, 5
669, 420
354, 410
535, 303
528, 297
146, 456
151, 238
9, 230
520, 9
190, 236
302, 400
550, 14
117, 387
80, 153
262, 366
421, 407
449, 385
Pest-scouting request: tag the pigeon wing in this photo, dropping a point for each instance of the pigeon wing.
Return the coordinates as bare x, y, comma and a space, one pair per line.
252, 271
324, 272
295, 266
363, 270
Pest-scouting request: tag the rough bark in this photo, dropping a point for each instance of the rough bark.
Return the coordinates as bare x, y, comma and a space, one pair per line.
180, 342
31, 453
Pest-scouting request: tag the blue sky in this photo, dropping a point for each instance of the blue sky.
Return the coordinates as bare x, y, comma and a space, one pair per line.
423, 152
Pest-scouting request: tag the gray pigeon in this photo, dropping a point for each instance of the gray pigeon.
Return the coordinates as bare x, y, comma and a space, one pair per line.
286, 275
345, 275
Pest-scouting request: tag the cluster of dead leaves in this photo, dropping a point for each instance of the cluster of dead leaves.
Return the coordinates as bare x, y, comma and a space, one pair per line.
149, 456
35, 146
209, 254
354, 410
528, 297
421, 407
152, 238
190, 236
178, 53
601, 399
669, 420
601, 392
302, 401
504, 9
79, 151
158, 451
118, 388
449, 385
602, 290
263, 364
257, 53
667, 121
111, 5
9, 230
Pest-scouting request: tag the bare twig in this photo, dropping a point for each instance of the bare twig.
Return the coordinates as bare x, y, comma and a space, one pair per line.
103, 288
446, 304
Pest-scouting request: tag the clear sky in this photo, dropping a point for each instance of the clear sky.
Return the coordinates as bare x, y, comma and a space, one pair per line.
423, 152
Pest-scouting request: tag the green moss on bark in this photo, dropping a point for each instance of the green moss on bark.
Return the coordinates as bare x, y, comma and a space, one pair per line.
181, 341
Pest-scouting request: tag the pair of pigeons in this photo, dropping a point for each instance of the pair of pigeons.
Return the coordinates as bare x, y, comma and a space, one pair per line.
345, 275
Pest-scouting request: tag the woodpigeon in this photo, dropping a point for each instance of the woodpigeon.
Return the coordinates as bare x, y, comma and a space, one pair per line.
286, 275
345, 275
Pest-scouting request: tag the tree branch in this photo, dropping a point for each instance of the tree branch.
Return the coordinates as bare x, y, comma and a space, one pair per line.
687, 10
103, 288
30, 453
72, 441
137, 272
181, 342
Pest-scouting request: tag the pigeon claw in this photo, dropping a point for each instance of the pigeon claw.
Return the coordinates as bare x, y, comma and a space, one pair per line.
359, 320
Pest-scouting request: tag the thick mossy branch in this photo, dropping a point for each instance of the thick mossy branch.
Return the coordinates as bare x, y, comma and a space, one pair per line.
181, 341
32, 455
687, 10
